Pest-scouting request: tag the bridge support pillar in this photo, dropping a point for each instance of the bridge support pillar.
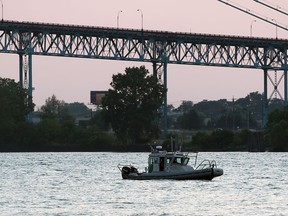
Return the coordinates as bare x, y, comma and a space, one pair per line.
30, 86
160, 69
21, 70
165, 110
154, 65
265, 99
25, 75
286, 86
286, 76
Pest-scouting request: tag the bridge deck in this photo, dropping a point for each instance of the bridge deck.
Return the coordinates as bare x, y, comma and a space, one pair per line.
36, 27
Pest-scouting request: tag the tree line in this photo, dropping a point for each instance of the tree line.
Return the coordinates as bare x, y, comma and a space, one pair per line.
130, 117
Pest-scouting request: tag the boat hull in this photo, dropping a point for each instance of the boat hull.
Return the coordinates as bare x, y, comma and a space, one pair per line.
203, 174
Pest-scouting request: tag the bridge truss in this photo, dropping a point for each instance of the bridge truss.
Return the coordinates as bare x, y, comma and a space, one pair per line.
157, 47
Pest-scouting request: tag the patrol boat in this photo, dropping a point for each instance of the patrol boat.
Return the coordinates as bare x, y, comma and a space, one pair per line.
172, 165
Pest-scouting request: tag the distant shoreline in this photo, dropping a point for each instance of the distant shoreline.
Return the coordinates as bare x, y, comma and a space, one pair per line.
120, 149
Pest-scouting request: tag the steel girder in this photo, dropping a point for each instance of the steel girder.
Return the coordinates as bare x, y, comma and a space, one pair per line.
147, 46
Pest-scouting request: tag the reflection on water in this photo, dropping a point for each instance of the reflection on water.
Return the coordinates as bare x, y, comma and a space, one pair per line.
91, 184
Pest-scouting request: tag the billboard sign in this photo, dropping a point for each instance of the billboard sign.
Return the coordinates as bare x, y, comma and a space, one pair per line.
96, 97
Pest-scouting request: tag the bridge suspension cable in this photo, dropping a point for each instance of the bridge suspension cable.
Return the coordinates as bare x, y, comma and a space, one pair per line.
273, 7
255, 14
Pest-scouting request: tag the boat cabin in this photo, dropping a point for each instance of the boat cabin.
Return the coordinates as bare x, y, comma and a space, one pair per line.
160, 160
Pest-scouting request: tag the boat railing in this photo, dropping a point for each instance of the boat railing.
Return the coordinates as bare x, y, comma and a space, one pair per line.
207, 164
192, 155
120, 166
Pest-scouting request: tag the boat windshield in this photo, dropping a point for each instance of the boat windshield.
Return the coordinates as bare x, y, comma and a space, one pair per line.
179, 160
185, 161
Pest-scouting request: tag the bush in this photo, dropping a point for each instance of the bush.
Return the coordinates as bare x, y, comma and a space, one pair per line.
220, 140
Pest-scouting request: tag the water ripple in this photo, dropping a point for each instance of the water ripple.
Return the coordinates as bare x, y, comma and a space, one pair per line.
90, 184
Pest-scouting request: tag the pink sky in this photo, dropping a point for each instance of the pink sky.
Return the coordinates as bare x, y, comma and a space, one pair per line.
71, 79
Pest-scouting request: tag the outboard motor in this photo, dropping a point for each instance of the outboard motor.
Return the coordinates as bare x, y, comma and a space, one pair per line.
125, 172
133, 169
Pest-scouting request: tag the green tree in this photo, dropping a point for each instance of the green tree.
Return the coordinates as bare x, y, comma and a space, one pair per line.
277, 134
78, 109
98, 121
55, 109
131, 106
190, 120
185, 107
221, 139
14, 100
15, 105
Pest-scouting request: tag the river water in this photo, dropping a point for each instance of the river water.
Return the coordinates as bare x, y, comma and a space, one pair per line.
68, 184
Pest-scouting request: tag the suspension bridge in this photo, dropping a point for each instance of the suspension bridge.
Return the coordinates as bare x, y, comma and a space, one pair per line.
160, 48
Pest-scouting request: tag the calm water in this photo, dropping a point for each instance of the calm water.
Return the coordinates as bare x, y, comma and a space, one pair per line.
91, 184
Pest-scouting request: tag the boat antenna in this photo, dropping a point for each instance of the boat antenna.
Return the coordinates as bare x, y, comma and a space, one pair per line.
151, 147
172, 141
